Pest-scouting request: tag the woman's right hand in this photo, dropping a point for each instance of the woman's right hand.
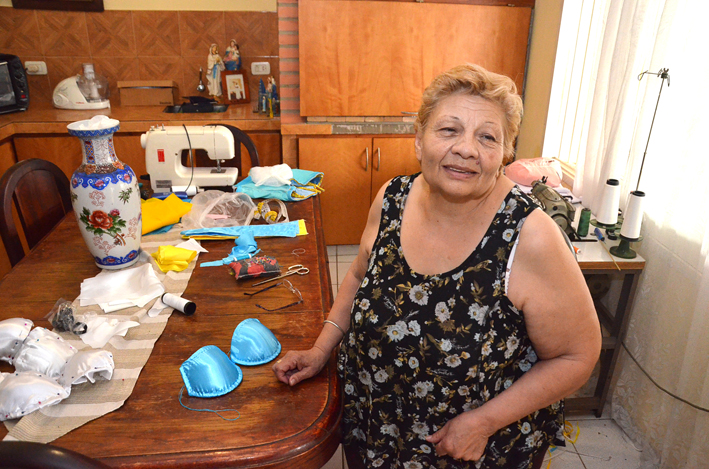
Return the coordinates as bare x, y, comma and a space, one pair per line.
297, 365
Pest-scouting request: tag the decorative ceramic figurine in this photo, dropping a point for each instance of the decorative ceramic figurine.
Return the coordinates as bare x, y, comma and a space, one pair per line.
215, 67
232, 58
262, 97
105, 196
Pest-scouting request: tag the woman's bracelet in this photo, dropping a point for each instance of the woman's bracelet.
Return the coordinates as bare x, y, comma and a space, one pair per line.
334, 324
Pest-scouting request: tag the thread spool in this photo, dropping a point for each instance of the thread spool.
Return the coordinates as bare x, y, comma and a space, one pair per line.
584, 221
608, 212
180, 304
633, 216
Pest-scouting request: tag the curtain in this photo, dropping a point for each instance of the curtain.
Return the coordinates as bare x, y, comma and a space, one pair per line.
667, 332
631, 28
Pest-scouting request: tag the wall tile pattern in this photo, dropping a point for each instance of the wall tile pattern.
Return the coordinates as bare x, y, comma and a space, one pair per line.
136, 45
289, 61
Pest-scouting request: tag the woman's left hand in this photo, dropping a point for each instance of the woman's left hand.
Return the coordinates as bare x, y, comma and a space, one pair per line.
463, 437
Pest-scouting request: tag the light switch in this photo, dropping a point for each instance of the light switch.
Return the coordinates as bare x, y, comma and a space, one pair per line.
260, 68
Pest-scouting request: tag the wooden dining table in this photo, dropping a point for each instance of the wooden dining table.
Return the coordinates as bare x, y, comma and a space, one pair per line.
279, 426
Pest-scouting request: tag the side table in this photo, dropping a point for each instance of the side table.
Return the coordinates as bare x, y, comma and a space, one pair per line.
594, 259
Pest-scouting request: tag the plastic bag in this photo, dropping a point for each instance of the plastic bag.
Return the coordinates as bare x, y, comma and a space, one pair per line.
212, 209
63, 318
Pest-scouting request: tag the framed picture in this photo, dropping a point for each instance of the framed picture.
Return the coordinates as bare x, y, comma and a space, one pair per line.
68, 5
235, 87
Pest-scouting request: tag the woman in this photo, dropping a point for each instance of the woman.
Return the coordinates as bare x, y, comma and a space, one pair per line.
215, 67
465, 317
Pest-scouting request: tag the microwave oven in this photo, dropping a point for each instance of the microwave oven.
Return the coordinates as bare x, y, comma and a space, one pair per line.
14, 92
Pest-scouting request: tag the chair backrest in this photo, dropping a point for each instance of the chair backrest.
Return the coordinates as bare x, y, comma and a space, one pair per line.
41, 195
27, 455
241, 137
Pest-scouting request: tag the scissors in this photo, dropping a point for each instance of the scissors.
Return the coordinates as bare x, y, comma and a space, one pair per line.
294, 269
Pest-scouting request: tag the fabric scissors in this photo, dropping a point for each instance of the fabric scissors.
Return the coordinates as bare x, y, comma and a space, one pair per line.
299, 269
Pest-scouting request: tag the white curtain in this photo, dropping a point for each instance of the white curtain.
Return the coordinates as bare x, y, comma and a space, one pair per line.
631, 28
669, 324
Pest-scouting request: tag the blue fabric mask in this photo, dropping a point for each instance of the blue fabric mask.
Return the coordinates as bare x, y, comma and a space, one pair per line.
210, 373
253, 343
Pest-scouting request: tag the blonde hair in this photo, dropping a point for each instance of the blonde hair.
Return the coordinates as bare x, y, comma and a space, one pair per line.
474, 80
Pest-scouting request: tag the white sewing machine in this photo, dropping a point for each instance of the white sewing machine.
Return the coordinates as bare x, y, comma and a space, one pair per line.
163, 157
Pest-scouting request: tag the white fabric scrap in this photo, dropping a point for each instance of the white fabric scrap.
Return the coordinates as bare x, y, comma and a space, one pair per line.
157, 308
114, 290
274, 176
192, 245
99, 330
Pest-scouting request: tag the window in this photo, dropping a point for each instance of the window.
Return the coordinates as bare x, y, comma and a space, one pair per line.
577, 55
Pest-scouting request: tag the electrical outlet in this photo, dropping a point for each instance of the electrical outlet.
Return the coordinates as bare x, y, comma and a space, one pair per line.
260, 68
35, 68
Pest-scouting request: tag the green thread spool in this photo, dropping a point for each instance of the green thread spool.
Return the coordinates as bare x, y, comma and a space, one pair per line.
584, 221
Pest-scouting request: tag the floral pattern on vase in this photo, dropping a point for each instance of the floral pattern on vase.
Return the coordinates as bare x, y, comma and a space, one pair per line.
105, 196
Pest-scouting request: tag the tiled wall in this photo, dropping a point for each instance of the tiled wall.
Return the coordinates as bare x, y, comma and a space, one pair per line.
289, 63
135, 45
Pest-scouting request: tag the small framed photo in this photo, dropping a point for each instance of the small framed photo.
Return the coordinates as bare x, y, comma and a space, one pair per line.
235, 87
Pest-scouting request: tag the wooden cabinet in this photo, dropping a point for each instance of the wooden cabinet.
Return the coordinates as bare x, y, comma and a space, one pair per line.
355, 168
374, 58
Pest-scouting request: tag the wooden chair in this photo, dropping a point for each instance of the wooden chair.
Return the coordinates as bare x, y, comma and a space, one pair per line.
26, 455
241, 137
40, 193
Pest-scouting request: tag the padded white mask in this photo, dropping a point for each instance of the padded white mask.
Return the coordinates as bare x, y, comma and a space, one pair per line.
13, 333
87, 365
24, 392
44, 352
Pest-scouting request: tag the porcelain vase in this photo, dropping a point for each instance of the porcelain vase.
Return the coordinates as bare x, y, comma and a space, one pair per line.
105, 196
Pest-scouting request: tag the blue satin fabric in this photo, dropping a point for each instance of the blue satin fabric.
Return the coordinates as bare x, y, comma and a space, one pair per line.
210, 373
253, 343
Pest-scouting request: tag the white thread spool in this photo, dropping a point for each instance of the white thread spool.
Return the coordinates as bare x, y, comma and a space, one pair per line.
180, 304
610, 199
633, 216
189, 190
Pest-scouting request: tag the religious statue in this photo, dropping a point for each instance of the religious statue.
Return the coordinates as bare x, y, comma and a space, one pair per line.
215, 66
232, 58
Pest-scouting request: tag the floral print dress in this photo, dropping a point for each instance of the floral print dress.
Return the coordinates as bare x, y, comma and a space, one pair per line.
421, 349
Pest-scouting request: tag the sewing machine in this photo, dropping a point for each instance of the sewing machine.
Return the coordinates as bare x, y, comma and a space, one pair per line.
163, 157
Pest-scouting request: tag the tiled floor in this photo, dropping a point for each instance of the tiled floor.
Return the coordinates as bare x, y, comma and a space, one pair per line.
601, 444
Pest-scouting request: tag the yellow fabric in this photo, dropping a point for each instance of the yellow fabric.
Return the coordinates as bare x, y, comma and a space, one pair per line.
158, 213
173, 258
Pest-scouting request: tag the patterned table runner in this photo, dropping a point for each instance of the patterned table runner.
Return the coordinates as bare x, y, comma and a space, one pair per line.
130, 353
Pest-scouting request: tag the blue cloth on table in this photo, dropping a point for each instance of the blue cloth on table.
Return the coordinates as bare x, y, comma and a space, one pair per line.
290, 229
304, 184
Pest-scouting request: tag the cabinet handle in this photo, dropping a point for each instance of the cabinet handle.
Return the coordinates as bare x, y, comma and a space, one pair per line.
379, 158
366, 163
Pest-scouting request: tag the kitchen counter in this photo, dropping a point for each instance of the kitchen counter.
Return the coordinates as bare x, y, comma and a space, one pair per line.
49, 120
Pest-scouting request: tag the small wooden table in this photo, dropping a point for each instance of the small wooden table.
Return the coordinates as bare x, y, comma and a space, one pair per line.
279, 427
595, 260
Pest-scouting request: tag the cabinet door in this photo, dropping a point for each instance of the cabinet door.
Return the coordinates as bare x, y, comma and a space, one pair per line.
347, 183
374, 58
62, 150
392, 156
